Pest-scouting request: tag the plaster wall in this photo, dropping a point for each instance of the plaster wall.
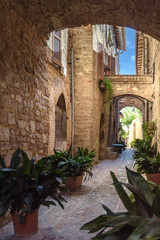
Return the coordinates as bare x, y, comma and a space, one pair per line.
135, 130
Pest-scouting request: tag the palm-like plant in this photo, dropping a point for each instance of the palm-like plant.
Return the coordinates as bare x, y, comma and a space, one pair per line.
140, 221
25, 185
81, 162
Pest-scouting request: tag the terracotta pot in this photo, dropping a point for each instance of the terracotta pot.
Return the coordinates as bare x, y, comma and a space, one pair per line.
154, 177
73, 183
30, 225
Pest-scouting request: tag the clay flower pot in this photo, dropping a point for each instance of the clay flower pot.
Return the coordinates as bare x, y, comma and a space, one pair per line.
154, 177
74, 183
30, 225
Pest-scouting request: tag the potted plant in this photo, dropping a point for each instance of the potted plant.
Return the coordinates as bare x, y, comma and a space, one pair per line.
73, 168
139, 221
150, 166
24, 186
146, 159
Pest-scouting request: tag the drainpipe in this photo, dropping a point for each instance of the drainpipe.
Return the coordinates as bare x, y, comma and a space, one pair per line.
117, 120
72, 139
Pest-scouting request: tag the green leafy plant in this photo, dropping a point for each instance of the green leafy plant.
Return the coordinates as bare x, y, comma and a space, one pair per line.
143, 148
68, 165
145, 153
129, 114
109, 89
140, 221
81, 162
25, 185
148, 164
149, 129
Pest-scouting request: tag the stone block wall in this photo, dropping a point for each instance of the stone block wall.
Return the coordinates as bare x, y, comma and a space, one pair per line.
29, 89
154, 49
88, 102
58, 84
24, 96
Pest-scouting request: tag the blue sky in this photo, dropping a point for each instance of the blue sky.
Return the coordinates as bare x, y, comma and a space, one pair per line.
127, 59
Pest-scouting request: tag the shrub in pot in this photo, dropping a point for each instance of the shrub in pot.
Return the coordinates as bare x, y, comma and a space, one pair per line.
24, 186
150, 166
146, 158
140, 221
73, 168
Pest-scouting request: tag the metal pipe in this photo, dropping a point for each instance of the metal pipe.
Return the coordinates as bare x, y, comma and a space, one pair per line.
72, 137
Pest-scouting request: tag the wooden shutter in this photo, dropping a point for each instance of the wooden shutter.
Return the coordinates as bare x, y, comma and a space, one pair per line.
100, 61
56, 46
112, 65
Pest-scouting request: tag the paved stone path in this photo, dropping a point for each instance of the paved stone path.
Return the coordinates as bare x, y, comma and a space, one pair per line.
82, 205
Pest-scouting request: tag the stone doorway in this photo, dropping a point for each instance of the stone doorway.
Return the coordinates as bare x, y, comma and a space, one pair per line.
61, 124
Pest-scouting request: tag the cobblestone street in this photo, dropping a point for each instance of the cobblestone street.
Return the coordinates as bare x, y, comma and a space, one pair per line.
82, 205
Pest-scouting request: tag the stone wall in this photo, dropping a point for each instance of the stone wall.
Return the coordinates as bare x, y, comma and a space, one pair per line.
137, 85
47, 15
135, 130
88, 102
154, 49
58, 84
129, 101
24, 96
29, 90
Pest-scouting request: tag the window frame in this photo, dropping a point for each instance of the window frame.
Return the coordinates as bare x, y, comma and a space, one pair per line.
113, 64
54, 59
100, 61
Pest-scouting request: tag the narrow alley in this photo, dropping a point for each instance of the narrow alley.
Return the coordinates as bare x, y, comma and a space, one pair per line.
82, 205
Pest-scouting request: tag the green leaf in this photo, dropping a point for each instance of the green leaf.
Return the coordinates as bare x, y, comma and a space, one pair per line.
149, 229
155, 205
93, 225
142, 205
109, 212
141, 184
15, 160
28, 202
123, 195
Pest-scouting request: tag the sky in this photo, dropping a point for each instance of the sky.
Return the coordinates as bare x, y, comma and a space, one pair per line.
127, 59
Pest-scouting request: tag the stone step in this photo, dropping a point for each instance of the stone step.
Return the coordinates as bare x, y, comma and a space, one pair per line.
110, 154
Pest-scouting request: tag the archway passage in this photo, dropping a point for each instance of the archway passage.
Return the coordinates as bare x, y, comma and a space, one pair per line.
120, 102
48, 15
61, 124
130, 125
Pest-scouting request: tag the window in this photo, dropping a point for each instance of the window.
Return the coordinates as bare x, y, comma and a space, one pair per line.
112, 65
100, 61
54, 44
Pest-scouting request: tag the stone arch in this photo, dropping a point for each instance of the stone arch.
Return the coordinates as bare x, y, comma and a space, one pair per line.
130, 100
61, 124
57, 89
62, 14
102, 137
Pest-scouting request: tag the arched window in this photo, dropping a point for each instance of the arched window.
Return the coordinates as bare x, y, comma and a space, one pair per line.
61, 124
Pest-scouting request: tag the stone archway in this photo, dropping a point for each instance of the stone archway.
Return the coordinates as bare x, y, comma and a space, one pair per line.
61, 124
47, 15
121, 102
